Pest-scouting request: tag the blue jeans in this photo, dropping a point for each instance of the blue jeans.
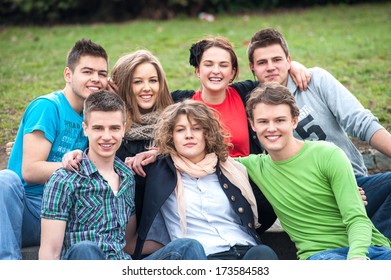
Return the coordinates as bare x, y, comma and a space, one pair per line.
257, 252
179, 249
377, 188
375, 253
20, 224
84, 250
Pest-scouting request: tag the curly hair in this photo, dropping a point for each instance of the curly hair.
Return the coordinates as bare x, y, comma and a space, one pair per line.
216, 136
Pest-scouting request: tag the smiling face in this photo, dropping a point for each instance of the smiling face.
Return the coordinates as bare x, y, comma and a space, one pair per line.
189, 139
89, 75
215, 70
274, 126
104, 131
145, 86
271, 64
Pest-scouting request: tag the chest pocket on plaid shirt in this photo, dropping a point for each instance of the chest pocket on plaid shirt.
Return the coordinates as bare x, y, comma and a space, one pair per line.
89, 209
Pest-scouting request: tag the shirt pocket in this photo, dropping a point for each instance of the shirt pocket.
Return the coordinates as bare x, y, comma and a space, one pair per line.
89, 210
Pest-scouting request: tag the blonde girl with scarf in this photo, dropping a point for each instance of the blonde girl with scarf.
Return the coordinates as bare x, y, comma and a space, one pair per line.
139, 79
195, 190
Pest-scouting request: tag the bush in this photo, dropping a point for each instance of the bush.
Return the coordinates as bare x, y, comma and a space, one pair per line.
37, 11
79, 11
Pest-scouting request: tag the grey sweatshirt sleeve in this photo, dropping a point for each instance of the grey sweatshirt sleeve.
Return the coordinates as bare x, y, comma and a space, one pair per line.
357, 121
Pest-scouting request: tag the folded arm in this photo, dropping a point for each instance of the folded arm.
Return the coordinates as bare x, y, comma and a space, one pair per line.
35, 167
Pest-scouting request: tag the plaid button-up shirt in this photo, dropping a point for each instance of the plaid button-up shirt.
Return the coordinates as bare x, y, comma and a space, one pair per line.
92, 211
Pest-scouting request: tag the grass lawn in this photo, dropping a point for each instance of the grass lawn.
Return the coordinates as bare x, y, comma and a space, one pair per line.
351, 42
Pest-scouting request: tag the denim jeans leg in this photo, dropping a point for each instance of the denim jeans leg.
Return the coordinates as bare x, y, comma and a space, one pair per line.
85, 250
377, 188
11, 215
374, 253
332, 254
379, 253
180, 249
31, 229
260, 252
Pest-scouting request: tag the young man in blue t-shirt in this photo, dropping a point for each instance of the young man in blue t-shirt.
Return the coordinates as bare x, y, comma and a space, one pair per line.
50, 127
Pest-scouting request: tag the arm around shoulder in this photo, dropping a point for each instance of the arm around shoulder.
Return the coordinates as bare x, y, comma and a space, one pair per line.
300, 75
180, 95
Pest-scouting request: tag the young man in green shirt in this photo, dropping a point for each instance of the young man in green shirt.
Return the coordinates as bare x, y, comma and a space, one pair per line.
329, 112
310, 184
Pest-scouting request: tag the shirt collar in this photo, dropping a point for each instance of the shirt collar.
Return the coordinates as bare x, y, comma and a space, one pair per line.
88, 168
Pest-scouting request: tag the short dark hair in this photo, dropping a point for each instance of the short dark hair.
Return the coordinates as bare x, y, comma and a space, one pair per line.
197, 51
81, 48
103, 100
272, 93
264, 38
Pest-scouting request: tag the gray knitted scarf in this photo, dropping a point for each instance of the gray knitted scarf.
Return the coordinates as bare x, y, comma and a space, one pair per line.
144, 129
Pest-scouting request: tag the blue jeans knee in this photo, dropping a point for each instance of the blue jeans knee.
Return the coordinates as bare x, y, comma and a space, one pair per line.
377, 188
180, 249
260, 252
84, 250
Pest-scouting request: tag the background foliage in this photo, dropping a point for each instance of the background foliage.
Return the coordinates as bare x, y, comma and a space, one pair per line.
77, 11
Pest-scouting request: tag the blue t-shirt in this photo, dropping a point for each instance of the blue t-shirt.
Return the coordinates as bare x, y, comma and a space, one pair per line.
62, 126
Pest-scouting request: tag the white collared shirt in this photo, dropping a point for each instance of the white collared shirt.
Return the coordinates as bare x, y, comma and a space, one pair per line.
209, 216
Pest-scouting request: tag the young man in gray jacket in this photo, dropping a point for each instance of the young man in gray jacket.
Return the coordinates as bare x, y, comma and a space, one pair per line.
329, 112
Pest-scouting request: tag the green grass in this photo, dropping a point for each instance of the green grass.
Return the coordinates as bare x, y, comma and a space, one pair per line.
351, 42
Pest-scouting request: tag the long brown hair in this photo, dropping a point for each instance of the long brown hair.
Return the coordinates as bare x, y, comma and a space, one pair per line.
122, 75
